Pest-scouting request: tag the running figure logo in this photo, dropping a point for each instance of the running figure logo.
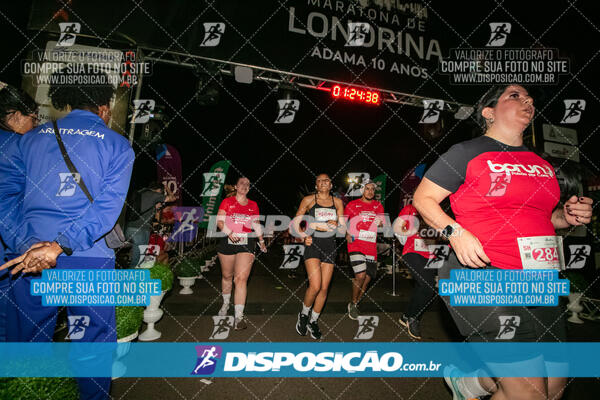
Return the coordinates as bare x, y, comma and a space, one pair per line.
579, 255
356, 180
357, 33
292, 255
68, 183
207, 359
186, 225
498, 183
212, 183
432, 110
573, 110
68, 33
212, 33
77, 326
500, 31
148, 255
142, 111
508, 326
222, 327
287, 111
440, 253
366, 327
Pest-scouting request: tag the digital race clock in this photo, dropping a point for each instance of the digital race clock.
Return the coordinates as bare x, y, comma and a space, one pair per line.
356, 94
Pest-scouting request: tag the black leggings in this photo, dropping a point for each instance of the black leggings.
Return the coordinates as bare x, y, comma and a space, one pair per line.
424, 290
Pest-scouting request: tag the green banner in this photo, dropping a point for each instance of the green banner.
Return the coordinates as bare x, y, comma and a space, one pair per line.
212, 189
380, 189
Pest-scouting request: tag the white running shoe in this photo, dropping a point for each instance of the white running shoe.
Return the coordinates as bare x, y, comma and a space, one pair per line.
452, 378
223, 311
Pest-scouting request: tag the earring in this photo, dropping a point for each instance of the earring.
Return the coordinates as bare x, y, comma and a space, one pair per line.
490, 120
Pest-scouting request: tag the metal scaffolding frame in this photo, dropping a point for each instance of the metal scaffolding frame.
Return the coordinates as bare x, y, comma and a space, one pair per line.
216, 66
292, 78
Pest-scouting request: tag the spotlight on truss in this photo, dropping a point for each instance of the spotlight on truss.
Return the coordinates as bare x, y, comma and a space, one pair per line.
243, 74
209, 82
433, 131
464, 112
286, 91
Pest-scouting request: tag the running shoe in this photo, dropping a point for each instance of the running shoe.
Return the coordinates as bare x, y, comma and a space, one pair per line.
240, 323
452, 378
353, 311
315, 332
223, 310
412, 325
301, 325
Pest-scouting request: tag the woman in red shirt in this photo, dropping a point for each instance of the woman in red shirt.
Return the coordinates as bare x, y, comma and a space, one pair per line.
236, 218
504, 198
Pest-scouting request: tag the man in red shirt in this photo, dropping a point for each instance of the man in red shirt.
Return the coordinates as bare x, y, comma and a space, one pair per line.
364, 216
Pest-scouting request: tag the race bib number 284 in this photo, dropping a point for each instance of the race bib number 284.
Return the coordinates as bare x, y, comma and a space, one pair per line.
541, 252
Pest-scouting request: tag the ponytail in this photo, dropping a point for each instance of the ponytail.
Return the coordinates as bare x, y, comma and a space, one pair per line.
229, 190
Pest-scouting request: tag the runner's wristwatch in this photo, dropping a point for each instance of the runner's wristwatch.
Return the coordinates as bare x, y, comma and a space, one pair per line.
451, 230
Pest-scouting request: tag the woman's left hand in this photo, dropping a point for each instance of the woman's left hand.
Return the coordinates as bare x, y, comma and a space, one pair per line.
262, 246
578, 210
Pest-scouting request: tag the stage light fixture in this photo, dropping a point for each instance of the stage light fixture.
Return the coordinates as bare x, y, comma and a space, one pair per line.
243, 74
464, 112
286, 91
433, 131
208, 87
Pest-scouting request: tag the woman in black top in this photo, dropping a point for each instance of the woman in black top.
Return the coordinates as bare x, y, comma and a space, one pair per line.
325, 214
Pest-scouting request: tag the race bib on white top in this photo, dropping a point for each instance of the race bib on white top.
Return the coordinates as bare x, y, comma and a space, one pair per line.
367, 236
541, 252
243, 239
420, 245
325, 214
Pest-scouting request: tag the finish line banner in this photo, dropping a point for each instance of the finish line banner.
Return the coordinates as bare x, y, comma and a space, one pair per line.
234, 359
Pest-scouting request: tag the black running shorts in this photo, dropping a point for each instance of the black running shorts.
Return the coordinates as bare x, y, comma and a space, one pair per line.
322, 248
502, 324
226, 248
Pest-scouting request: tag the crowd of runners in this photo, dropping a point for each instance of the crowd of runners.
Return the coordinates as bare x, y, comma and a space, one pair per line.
57, 208
501, 194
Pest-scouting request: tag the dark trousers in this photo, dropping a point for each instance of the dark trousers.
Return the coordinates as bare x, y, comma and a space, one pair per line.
424, 291
29, 321
138, 237
4, 288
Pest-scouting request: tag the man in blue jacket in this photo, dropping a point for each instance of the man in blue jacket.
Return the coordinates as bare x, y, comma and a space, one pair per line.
61, 227
18, 114
7, 144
